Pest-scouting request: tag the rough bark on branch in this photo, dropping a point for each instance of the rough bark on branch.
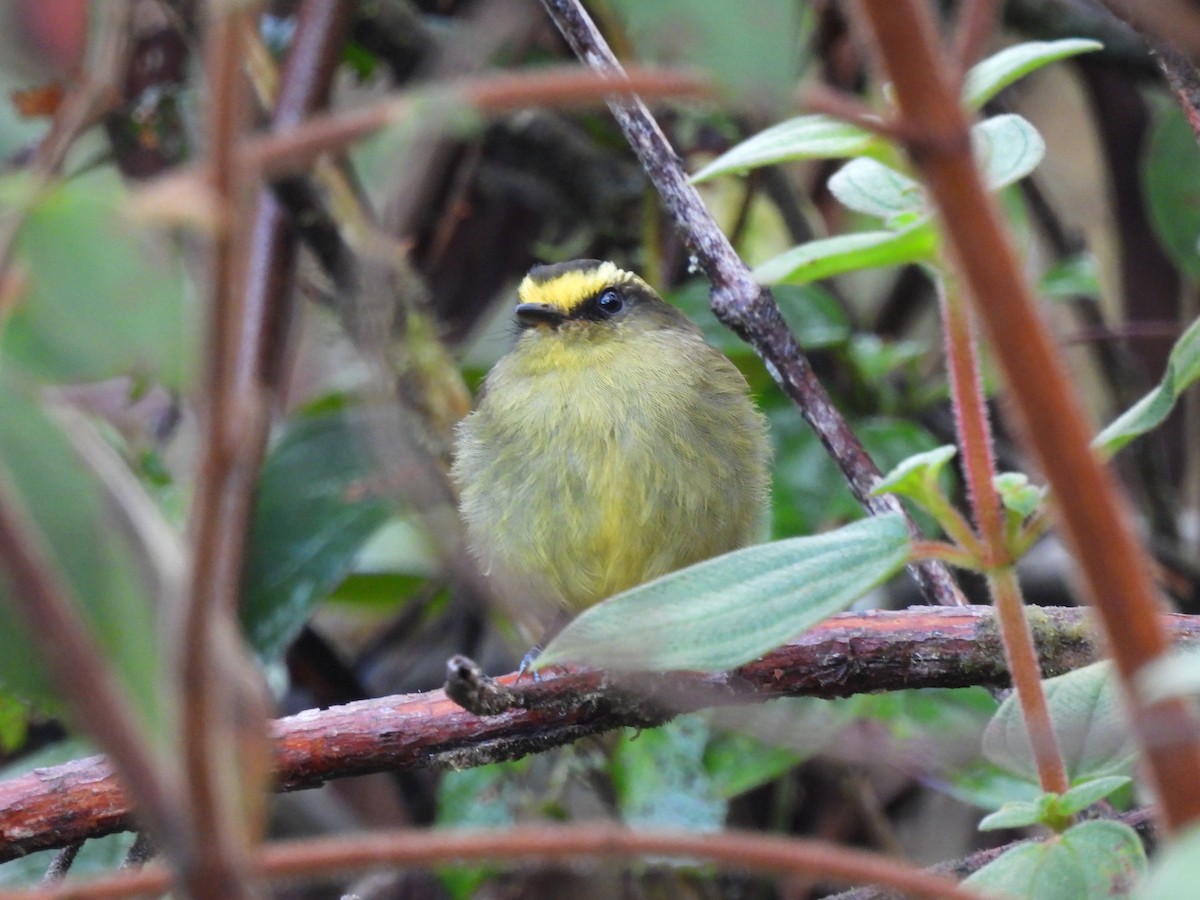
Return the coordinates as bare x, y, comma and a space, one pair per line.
853, 653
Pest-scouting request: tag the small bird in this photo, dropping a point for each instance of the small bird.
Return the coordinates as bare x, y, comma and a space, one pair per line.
610, 446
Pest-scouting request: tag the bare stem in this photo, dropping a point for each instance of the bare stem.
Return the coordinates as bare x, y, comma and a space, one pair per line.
765, 853
971, 417
1021, 654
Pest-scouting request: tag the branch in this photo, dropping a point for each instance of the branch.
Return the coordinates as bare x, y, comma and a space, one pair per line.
850, 654
769, 854
737, 299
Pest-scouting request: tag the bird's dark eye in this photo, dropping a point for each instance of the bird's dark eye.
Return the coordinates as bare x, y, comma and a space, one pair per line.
610, 302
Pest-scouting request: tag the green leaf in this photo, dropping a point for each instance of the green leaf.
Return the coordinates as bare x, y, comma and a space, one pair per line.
70, 518
754, 56
1007, 148
914, 476
661, 780
727, 611
1183, 368
1017, 494
1016, 814
738, 762
1172, 190
827, 257
1093, 860
989, 77
1088, 721
868, 186
805, 137
313, 514
1080, 797
14, 722
1076, 276
97, 297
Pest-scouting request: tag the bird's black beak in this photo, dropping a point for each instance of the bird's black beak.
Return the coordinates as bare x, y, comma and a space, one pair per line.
531, 314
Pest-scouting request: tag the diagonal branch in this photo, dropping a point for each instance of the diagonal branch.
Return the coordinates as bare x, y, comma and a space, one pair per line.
737, 300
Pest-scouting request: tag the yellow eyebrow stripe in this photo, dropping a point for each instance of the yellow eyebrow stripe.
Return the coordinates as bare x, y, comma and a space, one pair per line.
566, 291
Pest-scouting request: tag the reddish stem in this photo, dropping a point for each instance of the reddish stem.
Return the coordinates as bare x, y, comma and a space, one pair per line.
1095, 521
784, 857
1021, 654
971, 417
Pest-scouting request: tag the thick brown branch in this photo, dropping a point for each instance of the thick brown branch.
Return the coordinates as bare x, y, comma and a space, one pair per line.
849, 654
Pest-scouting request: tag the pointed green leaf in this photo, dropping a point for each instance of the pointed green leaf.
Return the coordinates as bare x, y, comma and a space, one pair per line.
914, 475
1016, 814
1088, 721
1007, 148
1183, 368
1076, 276
868, 186
1080, 797
848, 252
727, 611
309, 524
805, 137
1017, 494
989, 77
1173, 198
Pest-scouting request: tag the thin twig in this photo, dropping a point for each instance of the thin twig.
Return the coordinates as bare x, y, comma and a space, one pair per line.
79, 670
1095, 520
850, 654
972, 29
765, 853
207, 688
61, 864
737, 300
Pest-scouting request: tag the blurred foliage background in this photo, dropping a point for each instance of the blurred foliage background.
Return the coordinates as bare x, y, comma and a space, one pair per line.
355, 582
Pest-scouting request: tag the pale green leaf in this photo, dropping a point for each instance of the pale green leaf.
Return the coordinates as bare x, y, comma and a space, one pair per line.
913, 477
1094, 859
1016, 814
1080, 797
1017, 494
1088, 720
989, 77
848, 252
804, 137
1007, 149
868, 186
1183, 368
727, 611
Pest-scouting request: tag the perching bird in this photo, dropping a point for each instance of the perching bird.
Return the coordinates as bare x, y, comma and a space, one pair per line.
612, 445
